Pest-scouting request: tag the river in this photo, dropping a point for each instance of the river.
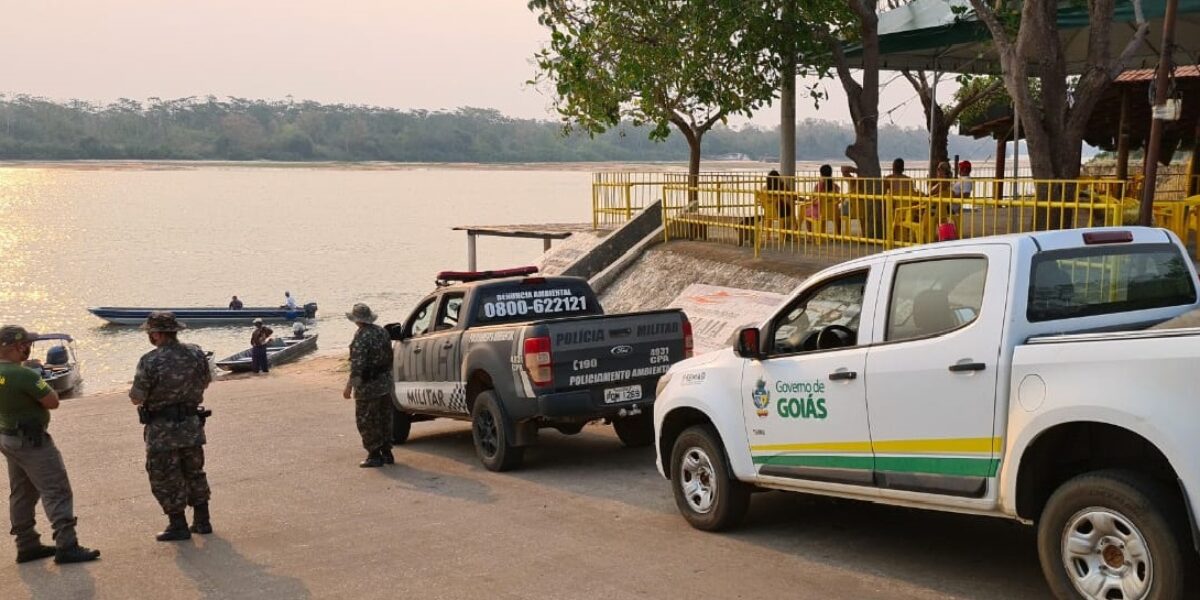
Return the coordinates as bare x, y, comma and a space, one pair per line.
74, 235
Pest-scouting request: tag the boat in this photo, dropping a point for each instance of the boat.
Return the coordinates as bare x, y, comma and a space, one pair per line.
279, 351
60, 368
121, 315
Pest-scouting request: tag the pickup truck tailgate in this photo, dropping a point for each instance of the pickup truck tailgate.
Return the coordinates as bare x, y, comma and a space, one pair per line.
618, 358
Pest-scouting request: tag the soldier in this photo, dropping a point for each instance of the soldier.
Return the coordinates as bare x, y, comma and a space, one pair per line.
168, 389
371, 384
35, 466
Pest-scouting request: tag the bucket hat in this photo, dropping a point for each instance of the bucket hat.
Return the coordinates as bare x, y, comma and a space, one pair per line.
162, 321
361, 313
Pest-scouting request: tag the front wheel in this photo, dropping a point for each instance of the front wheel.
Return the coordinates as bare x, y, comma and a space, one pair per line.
706, 491
489, 428
635, 432
401, 426
1113, 535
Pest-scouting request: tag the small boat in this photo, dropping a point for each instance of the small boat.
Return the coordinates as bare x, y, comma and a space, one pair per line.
279, 351
61, 367
120, 315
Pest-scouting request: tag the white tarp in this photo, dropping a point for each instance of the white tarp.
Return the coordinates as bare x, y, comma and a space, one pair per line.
716, 312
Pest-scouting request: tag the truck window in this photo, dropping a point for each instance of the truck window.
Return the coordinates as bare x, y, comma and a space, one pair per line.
1100, 280
418, 323
839, 302
448, 316
932, 297
538, 299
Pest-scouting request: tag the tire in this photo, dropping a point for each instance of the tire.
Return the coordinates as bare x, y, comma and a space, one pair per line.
635, 432
699, 464
1128, 531
489, 429
401, 426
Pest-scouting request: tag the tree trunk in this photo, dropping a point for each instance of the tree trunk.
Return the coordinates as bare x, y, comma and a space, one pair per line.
940, 143
787, 122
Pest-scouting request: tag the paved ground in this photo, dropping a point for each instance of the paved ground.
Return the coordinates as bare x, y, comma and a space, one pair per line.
295, 518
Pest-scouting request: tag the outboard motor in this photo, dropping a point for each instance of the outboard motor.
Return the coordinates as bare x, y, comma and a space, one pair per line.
57, 355
310, 310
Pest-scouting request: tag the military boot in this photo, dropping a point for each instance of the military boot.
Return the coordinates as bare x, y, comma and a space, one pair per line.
176, 530
34, 553
387, 456
373, 460
200, 523
75, 554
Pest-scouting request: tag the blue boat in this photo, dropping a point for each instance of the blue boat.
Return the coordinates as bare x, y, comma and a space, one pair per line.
120, 315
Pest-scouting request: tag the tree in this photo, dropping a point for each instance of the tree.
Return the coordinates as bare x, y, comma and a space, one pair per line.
657, 62
863, 98
943, 116
1031, 50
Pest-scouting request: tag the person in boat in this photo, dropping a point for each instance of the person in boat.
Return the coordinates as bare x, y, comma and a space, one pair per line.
298, 330
35, 466
371, 386
235, 304
168, 389
289, 302
258, 346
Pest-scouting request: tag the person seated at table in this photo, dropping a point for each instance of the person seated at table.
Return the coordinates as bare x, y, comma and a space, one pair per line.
823, 189
897, 183
965, 185
941, 187
774, 189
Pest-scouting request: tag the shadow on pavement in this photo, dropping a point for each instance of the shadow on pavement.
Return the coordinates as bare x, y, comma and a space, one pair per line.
44, 579
440, 484
220, 571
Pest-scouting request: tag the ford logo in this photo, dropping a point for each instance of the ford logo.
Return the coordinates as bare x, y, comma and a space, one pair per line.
621, 350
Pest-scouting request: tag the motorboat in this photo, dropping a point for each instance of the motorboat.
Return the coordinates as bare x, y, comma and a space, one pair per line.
60, 368
121, 315
279, 351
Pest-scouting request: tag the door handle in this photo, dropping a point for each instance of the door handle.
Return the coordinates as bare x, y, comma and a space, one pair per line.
971, 366
448, 345
417, 350
843, 375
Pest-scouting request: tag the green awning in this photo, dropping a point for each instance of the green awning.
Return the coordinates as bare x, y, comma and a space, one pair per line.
945, 35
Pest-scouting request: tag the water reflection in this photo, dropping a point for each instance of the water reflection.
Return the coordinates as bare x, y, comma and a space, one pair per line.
140, 235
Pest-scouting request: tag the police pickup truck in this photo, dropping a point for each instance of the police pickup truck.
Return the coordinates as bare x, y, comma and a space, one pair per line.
1010, 376
514, 353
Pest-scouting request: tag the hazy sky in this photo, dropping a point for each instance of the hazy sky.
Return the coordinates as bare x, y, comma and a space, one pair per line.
399, 53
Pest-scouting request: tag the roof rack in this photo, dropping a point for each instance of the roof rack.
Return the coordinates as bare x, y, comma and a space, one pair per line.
447, 277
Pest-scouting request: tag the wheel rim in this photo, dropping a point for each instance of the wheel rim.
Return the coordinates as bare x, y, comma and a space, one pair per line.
1106, 556
485, 432
697, 480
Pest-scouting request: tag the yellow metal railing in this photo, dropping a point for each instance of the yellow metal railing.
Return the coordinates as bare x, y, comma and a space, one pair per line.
844, 217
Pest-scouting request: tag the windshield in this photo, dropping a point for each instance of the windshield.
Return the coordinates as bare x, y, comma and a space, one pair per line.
1100, 280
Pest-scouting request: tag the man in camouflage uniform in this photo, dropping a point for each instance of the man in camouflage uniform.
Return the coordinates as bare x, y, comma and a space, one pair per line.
371, 384
35, 466
168, 388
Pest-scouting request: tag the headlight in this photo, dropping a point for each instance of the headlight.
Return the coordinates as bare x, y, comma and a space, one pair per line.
662, 384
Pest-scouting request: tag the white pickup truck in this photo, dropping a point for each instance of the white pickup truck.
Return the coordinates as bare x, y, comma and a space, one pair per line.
1009, 376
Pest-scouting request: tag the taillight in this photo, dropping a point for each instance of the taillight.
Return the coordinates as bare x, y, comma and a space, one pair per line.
538, 362
689, 347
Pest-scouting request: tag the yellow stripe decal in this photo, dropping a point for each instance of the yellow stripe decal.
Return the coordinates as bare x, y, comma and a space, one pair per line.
926, 446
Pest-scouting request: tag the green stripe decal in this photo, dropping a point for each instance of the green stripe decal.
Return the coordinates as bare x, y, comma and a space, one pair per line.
934, 465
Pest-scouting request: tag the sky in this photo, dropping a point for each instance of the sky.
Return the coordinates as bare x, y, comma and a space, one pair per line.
406, 54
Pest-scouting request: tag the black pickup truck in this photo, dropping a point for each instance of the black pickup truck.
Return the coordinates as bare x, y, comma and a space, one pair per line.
514, 353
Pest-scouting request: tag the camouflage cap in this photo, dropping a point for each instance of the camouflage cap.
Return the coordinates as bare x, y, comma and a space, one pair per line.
162, 321
15, 334
361, 313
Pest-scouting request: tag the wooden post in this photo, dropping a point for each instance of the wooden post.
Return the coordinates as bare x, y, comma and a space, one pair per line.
1123, 137
1165, 70
1001, 151
470, 251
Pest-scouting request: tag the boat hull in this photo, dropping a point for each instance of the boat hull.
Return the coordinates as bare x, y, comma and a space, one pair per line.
276, 355
205, 316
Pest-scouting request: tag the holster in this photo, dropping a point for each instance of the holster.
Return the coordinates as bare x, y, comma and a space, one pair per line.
31, 431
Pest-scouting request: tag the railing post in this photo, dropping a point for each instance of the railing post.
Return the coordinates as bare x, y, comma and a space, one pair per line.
595, 205
470, 251
628, 202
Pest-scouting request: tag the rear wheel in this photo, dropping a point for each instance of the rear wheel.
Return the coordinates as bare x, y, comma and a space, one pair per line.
706, 492
489, 428
635, 432
1114, 535
401, 426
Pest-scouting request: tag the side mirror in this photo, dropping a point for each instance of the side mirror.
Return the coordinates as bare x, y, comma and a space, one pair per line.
395, 331
748, 344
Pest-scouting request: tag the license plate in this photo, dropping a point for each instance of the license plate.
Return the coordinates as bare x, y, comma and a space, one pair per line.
626, 393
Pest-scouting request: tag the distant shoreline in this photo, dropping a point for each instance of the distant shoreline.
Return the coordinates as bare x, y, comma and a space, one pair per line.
166, 165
